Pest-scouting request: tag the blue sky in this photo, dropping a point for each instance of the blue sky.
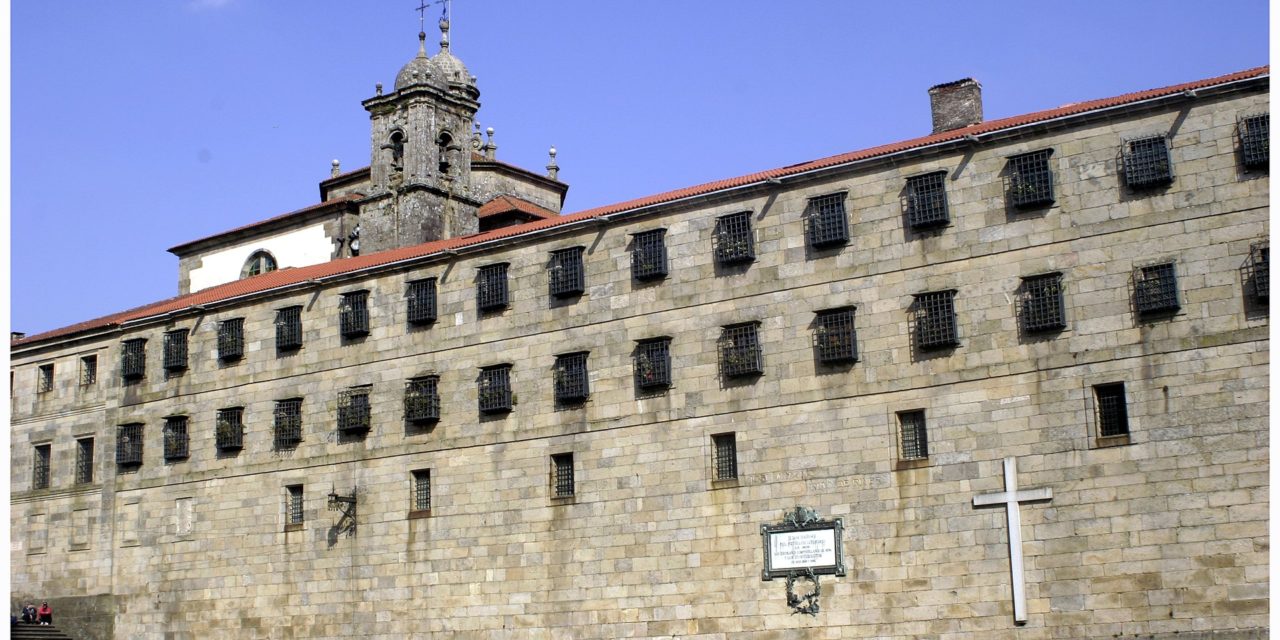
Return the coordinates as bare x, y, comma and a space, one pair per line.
138, 126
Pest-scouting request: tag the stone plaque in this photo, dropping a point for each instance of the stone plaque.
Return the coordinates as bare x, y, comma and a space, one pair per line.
802, 545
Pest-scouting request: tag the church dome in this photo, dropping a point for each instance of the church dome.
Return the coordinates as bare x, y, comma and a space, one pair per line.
446, 66
419, 70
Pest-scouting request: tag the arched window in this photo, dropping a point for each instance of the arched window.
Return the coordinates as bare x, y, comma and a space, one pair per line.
258, 263
397, 150
445, 149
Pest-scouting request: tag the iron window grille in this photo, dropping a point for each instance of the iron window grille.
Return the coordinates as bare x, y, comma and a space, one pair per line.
353, 314
84, 461
88, 370
927, 201
289, 328
1156, 289
231, 339
293, 505
129, 444
1255, 141
936, 320
724, 449
914, 436
565, 274
571, 379
735, 243
649, 255
1260, 258
1113, 414
353, 410
491, 287
1042, 304
740, 351
40, 467
422, 301
44, 383
288, 423
176, 441
421, 490
175, 350
653, 363
835, 336
828, 225
422, 399
229, 429
494, 389
1031, 180
1147, 162
133, 359
562, 474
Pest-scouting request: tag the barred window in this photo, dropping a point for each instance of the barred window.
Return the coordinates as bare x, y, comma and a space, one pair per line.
175, 350
353, 410
724, 451
927, 201
421, 491
133, 359
734, 242
494, 389
491, 287
835, 337
229, 429
422, 399
129, 444
40, 466
293, 506
740, 351
353, 314
44, 381
422, 301
289, 328
1042, 305
1260, 259
1147, 163
288, 423
562, 474
653, 363
88, 370
1031, 180
936, 320
1113, 414
565, 273
571, 379
914, 438
649, 255
84, 460
231, 339
176, 442
827, 224
1255, 141
1156, 289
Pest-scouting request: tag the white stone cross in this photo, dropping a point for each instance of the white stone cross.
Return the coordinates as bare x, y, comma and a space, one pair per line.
1010, 498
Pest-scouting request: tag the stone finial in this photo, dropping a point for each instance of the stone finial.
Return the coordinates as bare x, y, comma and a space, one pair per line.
444, 34
553, 169
955, 104
378, 88
490, 149
334, 170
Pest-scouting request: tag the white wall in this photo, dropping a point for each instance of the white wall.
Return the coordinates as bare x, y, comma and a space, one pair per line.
298, 248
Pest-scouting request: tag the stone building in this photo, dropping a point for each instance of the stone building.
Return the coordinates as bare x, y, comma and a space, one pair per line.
433, 406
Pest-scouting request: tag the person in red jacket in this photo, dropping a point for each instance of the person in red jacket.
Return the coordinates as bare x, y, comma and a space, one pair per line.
45, 613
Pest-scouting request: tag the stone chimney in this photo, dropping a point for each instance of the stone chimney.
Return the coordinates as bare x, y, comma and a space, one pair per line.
956, 104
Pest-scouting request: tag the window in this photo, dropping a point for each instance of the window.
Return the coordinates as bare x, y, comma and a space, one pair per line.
571, 379
1156, 289
828, 226
422, 301
491, 287
129, 445
927, 201
229, 429
175, 350
353, 410
1042, 306
231, 339
293, 507
835, 337
1031, 180
936, 320
1260, 260
565, 274
258, 263
1113, 415
133, 359
84, 460
1146, 162
288, 423
740, 351
422, 399
1255, 141
353, 314
88, 370
44, 383
494, 389
175, 438
421, 501
40, 466
914, 438
734, 243
724, 452
653, 363
562, 474
289, 328
649, 255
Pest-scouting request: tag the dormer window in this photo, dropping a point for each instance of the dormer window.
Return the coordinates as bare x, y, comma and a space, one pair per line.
258, 263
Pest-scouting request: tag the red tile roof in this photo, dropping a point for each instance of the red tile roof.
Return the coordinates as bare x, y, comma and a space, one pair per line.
284, 277
505, 204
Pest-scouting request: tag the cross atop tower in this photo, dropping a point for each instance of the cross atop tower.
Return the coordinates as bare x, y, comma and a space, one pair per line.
422, 11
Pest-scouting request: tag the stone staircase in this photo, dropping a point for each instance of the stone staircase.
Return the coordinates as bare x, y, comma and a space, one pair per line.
36, 632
